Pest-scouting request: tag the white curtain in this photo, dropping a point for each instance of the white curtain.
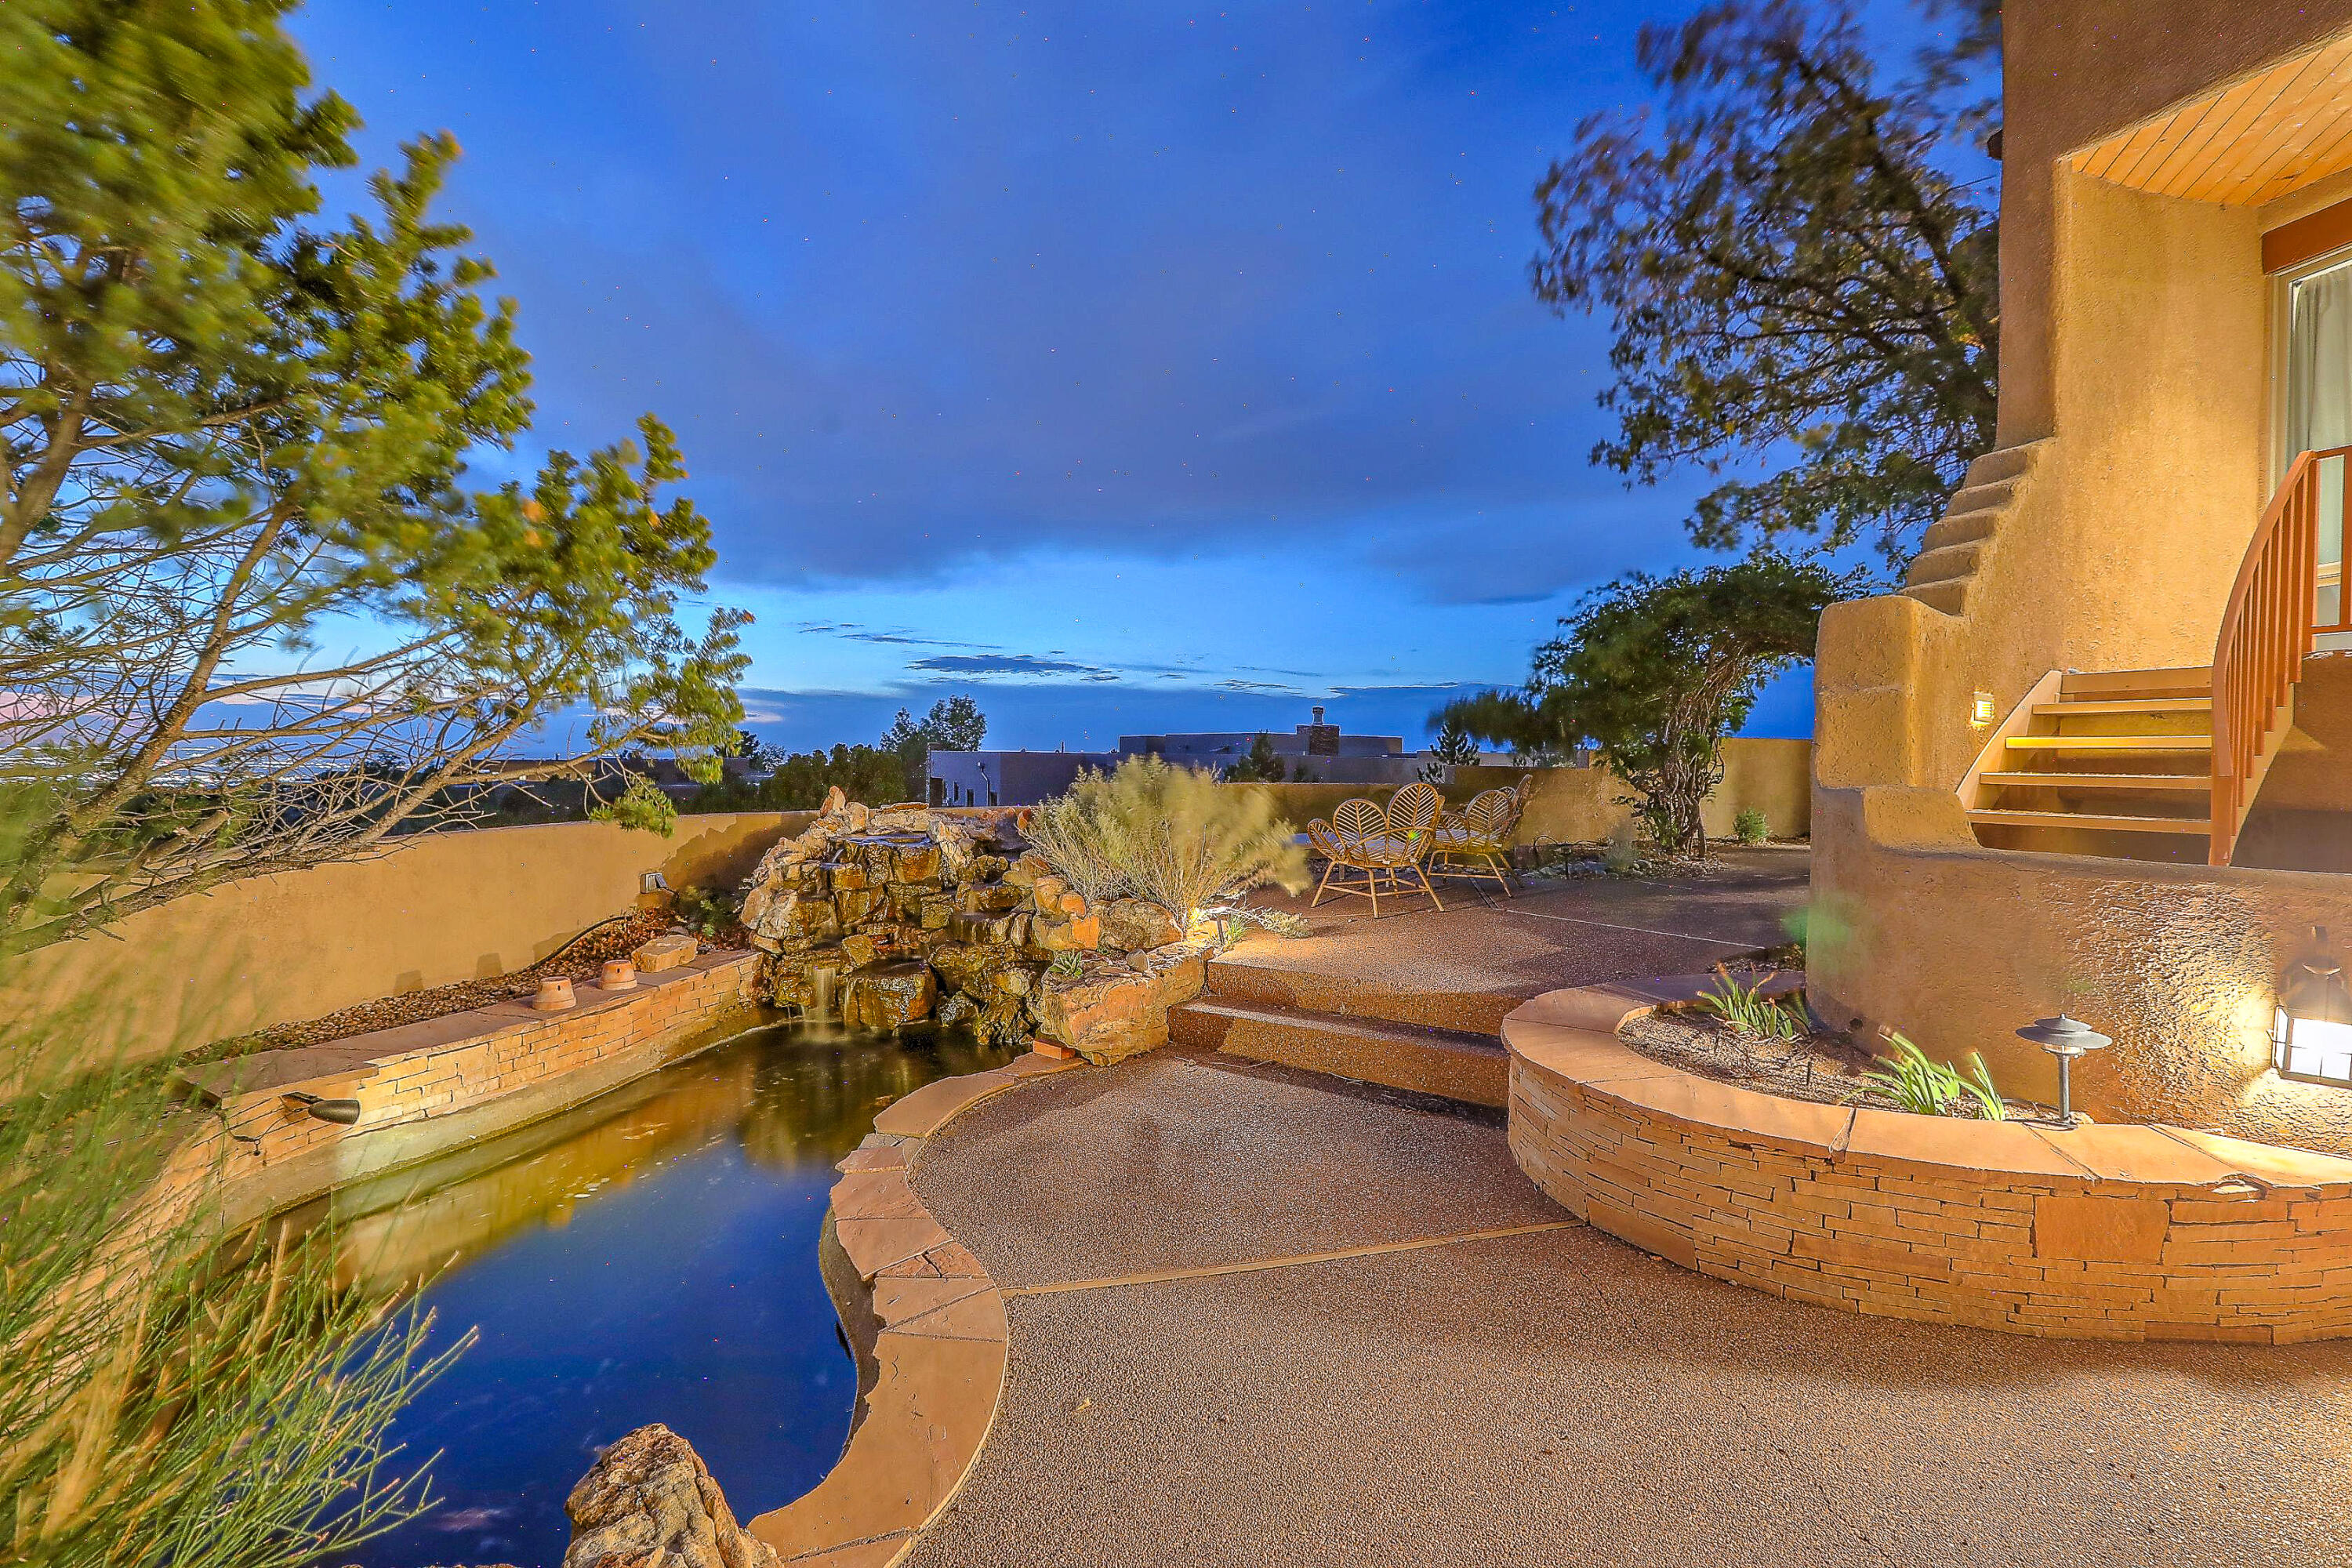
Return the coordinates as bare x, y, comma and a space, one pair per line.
2319, 402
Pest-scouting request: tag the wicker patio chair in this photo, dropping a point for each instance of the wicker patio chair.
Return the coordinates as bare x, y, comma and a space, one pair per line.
1412, 819
1368, 851
1475, 842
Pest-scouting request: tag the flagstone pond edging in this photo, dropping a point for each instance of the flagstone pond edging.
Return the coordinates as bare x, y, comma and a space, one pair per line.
2137, 1232
939, 1352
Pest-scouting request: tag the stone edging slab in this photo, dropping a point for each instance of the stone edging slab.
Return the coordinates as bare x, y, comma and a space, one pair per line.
940, 1352
2098, 1231
424, 1088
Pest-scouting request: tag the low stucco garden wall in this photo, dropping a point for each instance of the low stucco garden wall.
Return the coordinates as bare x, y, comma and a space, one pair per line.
1580, 805
2102, 1232
436, 910
1917, 927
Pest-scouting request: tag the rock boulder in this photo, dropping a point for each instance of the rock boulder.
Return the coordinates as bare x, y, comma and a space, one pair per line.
650, 1504
1113, 1012
1137, 925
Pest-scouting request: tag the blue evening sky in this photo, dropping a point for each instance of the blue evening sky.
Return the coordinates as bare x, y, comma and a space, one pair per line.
1134, 366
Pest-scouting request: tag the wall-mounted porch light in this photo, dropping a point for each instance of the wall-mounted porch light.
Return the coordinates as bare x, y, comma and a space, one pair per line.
1981, 711
2065, 1038
2311, 1034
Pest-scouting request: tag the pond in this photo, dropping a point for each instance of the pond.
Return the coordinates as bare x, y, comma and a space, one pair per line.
650, 1256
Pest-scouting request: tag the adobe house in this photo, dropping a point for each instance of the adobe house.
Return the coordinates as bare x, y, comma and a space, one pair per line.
2096, 755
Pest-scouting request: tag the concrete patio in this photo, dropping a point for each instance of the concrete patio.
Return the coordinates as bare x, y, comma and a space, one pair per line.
1262, 1316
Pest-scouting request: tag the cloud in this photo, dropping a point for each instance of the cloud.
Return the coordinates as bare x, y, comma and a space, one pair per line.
1236, 685
986, 664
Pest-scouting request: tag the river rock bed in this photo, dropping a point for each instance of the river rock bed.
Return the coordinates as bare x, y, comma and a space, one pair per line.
903, 914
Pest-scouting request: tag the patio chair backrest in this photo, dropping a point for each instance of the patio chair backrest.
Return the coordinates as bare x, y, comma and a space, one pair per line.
1489, 815
1412, 810
1358, 819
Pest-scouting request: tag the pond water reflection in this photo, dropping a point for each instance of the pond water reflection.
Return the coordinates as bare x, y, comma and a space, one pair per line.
651, 1255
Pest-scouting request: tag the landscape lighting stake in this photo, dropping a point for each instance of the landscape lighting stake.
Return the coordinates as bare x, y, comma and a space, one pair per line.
2064, 1038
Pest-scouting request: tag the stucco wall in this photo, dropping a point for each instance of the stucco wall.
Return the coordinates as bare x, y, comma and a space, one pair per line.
439, 908
1580, 805
2075, 71
1917, 927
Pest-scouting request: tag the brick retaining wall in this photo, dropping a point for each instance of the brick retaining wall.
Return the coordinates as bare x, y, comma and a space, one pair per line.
425, 1087
2102, 1232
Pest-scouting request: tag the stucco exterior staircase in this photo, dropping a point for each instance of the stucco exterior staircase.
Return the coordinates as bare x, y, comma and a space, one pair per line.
2124, 757
1952, 549
1329, 1023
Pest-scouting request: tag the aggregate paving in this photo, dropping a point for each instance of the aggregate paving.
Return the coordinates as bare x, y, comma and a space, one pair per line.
1176, 1160
1552, 1398
1558, 933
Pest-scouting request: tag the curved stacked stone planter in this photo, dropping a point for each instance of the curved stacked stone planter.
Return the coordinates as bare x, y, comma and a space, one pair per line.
2100, 1232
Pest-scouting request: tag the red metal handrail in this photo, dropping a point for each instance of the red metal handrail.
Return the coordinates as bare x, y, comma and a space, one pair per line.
2266, 633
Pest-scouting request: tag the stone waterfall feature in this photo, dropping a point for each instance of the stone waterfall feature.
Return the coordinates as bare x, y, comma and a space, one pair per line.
895, 916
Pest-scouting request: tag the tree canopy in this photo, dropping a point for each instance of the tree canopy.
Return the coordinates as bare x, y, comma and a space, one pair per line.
252, 615
1655, 671
954, 724
1795, 278
1260, 764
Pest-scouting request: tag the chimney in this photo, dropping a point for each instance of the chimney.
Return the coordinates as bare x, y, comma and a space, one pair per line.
1322, 739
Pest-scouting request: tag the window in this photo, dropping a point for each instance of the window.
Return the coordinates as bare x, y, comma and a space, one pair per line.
2315, 401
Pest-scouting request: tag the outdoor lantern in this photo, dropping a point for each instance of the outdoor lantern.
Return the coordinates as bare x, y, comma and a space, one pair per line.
2311, 1031
2064, 1038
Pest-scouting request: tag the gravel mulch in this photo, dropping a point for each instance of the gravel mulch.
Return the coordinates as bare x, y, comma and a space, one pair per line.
578, 962
1823, 1068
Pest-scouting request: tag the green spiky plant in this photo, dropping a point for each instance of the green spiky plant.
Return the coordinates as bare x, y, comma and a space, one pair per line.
1750, 1013
1924, 1087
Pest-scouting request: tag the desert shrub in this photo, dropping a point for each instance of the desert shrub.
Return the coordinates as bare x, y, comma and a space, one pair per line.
164, 1400
709, 912
1173, 835
1622, 856
1750, 826
1070, 833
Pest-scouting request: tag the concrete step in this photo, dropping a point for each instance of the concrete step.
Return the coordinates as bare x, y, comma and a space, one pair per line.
2009, 463
1457, 1066
1972, 526
1992, 496
1415, 1003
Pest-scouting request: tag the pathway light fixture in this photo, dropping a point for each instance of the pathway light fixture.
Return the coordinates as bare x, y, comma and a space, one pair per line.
2065, 1038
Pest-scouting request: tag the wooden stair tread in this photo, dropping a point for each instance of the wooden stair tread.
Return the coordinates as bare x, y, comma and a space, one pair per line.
2001, 817
2196, 782
2187, 680
2110, 742
2072, 707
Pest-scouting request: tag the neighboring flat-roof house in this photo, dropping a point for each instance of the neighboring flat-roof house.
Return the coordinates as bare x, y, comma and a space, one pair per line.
2097, 756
